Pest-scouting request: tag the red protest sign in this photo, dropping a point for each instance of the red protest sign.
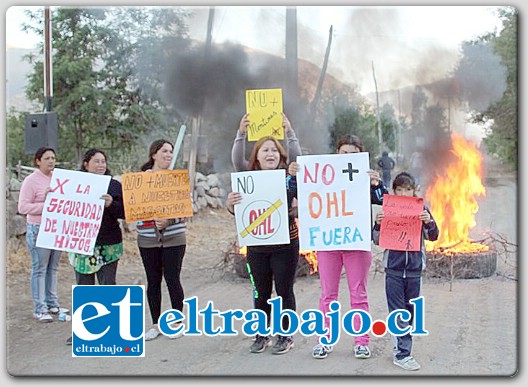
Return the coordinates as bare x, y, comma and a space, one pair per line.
401, 226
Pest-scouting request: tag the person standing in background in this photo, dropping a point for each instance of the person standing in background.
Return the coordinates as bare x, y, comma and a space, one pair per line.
387, 164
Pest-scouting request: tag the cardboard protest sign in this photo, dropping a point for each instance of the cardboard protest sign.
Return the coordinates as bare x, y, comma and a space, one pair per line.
73, 210
265, 113
334, 202
401, 226
262, 216
157, 195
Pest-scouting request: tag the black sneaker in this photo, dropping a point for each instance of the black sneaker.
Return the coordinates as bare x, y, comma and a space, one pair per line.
260, 344
69, 341
283, 345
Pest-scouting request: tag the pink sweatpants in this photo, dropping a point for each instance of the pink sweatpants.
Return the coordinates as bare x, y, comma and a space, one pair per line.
357, 265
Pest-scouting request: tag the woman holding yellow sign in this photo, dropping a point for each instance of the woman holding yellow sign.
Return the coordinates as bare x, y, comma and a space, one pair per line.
272, 263
162, 245
239, 145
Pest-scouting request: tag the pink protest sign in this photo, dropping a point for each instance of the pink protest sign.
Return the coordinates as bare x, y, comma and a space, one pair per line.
401, 226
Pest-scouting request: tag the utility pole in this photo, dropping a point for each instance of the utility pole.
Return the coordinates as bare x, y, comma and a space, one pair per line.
318, 91
197, 120
41, 128
399, 124
291, 56
48, 77
380, 137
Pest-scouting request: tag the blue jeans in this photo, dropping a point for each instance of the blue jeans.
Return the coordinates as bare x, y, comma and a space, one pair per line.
44, 271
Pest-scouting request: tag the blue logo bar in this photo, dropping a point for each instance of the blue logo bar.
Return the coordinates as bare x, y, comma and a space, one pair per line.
108, 321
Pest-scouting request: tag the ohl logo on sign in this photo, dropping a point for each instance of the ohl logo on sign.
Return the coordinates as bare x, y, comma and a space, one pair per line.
108, 321
261, 220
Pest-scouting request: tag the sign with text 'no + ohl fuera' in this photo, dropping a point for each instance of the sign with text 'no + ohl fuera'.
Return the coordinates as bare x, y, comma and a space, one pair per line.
334, 202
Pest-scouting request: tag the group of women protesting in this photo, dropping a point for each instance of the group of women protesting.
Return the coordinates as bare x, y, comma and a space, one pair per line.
162, 242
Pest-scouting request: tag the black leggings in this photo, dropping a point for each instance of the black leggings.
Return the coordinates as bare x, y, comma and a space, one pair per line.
106, 275
162, 262
268, 264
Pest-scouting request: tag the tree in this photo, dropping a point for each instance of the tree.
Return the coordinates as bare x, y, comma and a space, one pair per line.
481, 76
15, 139
389, 126
504, 113
419, 105
358, 120
107, 75
488, 78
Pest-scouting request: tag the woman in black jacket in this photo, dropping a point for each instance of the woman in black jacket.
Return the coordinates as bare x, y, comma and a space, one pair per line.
109, 243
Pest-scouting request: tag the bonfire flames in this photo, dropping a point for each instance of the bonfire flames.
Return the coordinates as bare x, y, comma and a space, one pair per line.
452, 199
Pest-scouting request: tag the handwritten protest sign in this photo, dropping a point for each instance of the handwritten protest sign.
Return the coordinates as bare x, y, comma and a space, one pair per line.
334, 202
401, 226
262, 216
73, 210
157, 195
265, 113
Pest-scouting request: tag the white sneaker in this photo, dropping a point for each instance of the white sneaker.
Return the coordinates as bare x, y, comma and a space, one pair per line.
43, 317
321, 351
176, 336
407, 363
361, 351
58, 310
152, 334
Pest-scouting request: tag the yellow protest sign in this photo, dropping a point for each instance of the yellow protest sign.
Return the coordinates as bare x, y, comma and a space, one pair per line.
157, 195
265, 113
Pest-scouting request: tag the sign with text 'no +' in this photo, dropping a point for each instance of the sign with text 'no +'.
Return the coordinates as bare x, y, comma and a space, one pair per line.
334, 202
265, 113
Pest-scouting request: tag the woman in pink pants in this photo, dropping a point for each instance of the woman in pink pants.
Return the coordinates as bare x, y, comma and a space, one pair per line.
356, 263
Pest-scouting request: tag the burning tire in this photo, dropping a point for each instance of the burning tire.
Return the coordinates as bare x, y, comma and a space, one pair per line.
464, 266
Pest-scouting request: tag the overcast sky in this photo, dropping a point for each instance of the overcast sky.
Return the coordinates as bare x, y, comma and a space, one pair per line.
406, 44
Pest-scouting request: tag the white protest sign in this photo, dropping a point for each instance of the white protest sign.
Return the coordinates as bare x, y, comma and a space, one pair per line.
73, 210
262, 216
334, 202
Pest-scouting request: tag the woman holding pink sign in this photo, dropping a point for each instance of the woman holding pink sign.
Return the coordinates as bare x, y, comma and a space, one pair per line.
44, 262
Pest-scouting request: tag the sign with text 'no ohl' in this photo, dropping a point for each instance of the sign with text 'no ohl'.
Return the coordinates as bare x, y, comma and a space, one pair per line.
157, 195
334, 202
262, 216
